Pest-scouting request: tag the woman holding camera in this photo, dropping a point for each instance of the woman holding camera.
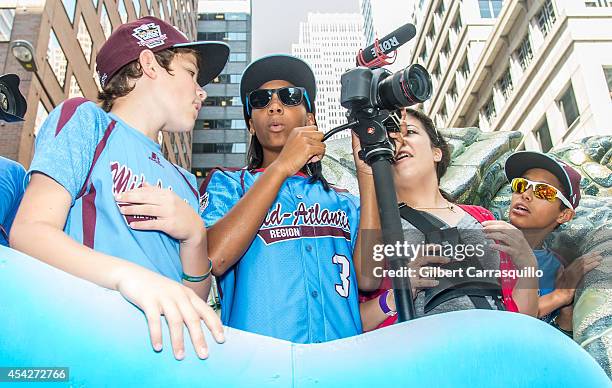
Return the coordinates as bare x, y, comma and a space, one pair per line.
421, 159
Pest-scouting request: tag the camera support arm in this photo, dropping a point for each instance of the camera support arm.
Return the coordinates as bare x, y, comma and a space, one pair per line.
377, 151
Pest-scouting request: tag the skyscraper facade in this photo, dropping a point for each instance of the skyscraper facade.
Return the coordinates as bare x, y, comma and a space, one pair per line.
220, 137
329, 44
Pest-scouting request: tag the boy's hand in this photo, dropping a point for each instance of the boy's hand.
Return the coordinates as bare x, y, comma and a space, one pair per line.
510, 240
303, 146
166, 211
157, 295
570, 277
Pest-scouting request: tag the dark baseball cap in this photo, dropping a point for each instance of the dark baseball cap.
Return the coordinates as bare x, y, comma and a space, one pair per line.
277, 67
127, 42
16, 105
521, 161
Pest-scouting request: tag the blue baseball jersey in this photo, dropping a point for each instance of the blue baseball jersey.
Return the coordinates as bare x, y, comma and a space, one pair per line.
296, 281
11, 191
95, 155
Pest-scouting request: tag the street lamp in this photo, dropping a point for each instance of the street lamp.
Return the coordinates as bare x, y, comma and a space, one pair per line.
23, 51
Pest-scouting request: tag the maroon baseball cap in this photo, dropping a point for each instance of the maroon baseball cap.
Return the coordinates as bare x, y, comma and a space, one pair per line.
521, 161
129, 39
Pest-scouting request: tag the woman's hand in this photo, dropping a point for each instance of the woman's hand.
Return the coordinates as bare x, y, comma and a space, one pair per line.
510, 240
164, 210
157, 295
303, 146
421, 265
361, 166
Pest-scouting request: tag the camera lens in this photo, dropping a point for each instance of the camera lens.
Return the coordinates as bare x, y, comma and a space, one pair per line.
7, 103
404, 88
3, 102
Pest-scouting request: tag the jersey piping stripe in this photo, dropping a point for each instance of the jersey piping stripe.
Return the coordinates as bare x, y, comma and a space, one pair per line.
193, 190
68, 108
89, 215
98, 152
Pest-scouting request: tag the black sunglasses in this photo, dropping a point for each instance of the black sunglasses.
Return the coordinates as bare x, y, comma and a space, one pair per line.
288, 96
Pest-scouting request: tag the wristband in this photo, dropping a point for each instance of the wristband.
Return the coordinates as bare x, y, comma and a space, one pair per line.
382, 301
196, 279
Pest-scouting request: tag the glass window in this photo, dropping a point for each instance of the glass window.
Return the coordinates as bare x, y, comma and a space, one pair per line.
219, 148
84, 39
542, 135
41, 116
69, 6
75, 88
452, 91
136, 4
440, 9
446, 47
546, 17
239, 148
490, 8
464, 69
122, 11
7, 15
238, 124
236, 16
237, 57
608, 74
524, 53
457, 24
56, 58
105, 22
236, 36
568, 106
488, 109
423, 55
505, 83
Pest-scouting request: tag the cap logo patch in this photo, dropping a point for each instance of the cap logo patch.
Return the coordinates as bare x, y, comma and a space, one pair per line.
149, 35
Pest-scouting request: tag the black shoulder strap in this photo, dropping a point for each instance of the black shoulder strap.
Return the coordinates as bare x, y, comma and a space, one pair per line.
418, 220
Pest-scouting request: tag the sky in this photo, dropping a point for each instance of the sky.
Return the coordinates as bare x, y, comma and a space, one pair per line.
276, 23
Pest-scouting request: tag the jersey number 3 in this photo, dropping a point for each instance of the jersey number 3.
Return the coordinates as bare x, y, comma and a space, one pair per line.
345, 271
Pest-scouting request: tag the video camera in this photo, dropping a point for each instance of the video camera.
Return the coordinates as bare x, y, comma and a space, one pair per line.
374, 96
13, 105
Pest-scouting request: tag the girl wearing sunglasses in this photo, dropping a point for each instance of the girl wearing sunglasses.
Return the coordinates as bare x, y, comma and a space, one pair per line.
421, 159
281, 238
545, 194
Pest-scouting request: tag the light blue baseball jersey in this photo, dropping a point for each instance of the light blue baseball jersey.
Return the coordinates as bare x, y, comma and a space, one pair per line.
95, 155
296, 281
11, 191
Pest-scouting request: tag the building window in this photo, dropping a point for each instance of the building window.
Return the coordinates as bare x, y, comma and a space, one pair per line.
75, 88
457, 24
568, 106
436, 71
608, 75
237, 57
84, 39
7, 15
136, 4
488, 110
524, 53
446, 47
598, 3
201, 172
464, 68
440, 9
546, 17
542, 135
219, 148
490, 8
56, 58
443, 114
69, 6
105, 22
212, 36
41, 116
236, 36
222, 101
423, 55
432, 32
504, 84
452, 91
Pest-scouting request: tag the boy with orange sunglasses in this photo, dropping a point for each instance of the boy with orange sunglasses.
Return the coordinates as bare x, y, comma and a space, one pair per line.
545, 194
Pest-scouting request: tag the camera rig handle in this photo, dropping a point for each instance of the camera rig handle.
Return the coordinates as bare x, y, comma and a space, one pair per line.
377, 152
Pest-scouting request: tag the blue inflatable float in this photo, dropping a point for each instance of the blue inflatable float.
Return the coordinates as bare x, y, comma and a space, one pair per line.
52, 319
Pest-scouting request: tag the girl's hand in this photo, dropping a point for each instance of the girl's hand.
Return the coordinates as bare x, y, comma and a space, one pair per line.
303, 146
164, 211
157, 295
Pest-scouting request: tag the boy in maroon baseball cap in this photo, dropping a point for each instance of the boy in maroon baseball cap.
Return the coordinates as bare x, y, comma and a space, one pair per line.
545, 194
102, 201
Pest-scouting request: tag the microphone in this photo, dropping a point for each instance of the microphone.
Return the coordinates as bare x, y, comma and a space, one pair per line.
387, 44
